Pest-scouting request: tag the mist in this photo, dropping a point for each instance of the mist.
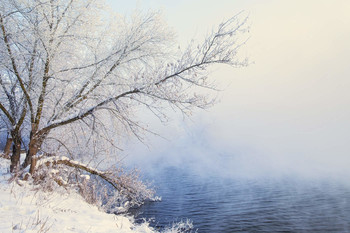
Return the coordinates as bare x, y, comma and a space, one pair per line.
286, 114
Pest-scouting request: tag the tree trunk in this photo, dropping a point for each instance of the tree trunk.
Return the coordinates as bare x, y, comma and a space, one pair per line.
27, 160
30, 157
16, 154
34, 146
8, 148
33, 160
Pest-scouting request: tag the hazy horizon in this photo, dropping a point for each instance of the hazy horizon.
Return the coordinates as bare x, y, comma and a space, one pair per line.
287, 113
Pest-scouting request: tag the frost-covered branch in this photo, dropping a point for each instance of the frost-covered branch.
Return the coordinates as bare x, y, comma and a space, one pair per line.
127, 185
68, 63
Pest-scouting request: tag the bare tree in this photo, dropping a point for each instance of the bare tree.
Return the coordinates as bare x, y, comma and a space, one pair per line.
65, 64
13, 102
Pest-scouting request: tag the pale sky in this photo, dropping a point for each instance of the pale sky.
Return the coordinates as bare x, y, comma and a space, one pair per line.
289, 112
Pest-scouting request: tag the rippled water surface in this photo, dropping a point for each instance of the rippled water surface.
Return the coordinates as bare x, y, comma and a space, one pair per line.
215, 204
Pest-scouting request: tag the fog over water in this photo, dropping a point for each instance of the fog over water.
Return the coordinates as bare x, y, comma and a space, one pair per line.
287, 113
276, 147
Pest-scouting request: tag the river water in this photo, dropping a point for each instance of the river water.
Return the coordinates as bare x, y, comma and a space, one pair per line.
215, 204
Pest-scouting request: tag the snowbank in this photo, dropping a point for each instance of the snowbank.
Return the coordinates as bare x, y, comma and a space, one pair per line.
23, 209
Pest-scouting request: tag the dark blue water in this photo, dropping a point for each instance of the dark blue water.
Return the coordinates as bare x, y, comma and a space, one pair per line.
215, 204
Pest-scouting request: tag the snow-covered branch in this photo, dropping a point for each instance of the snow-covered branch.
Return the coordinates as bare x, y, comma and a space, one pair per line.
68, 63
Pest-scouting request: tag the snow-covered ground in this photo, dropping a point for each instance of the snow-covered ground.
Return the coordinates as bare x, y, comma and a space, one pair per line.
23, 209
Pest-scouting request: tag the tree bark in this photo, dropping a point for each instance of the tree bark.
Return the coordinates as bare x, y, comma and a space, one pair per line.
8, 148
16, 154
36, 140
30, 157
33, 164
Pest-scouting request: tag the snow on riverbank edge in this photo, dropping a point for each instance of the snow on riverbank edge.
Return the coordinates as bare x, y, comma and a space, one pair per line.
23, 209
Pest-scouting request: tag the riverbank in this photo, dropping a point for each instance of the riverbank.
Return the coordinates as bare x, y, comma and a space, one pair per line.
25, 209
